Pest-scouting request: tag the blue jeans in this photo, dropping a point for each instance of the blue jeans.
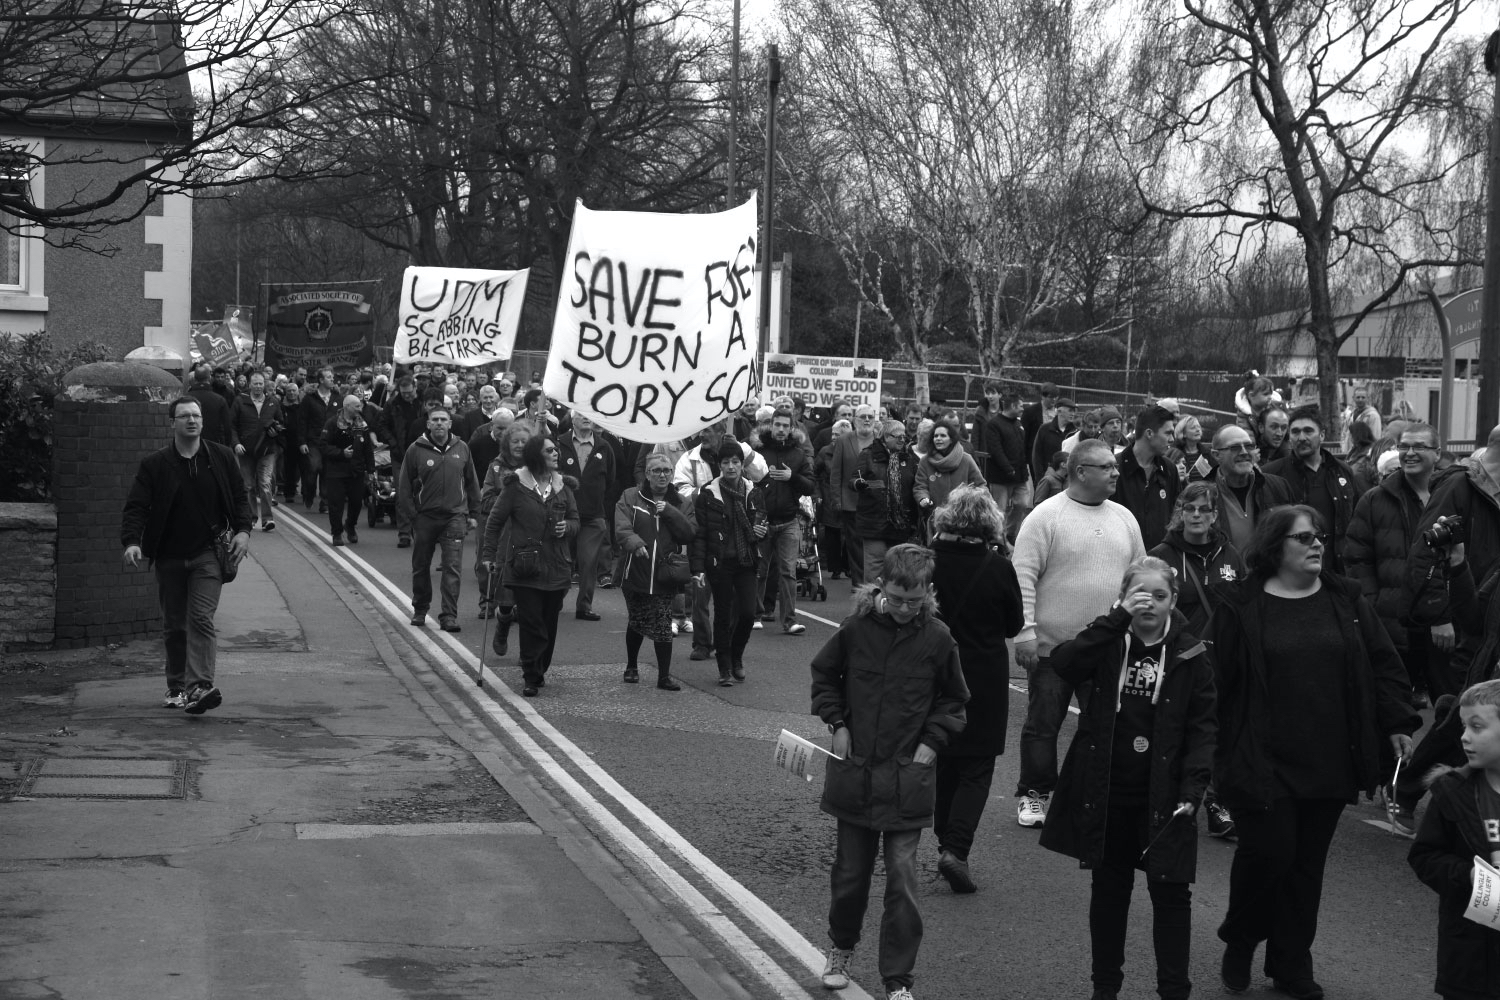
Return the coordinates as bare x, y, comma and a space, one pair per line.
779, 554
259, 475
188, 590
1047, 697
900, 923
429, 531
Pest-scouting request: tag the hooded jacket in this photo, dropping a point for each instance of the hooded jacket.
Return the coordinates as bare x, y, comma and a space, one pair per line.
1215, 565
937, 475
438, 481
781, 498
1380, 535
335, 438
895, 686
527, 520
1449, 837
637, 523
1375, 692
1183, 732
883, 483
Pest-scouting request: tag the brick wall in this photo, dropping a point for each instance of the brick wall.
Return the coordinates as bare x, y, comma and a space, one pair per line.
28, 574
97, 446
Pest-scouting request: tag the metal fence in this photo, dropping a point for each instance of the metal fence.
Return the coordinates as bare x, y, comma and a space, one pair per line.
1088, 387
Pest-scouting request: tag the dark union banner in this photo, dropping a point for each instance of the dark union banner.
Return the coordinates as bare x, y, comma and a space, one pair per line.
320, 325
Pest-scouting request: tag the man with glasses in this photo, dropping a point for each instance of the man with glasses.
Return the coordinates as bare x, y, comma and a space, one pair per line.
183, 495
886, 512
1319, 479
440, 492
1071, 554
1245, 492
1380, 535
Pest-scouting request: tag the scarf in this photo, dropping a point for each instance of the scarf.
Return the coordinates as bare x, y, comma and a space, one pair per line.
739, 524
895, 508
946, 463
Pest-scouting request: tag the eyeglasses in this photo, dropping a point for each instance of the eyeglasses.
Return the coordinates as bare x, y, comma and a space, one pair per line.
549, 450
1238, 449
1111, 467
910, 604
1199, 510
653, 472
1308, 537
1415, 447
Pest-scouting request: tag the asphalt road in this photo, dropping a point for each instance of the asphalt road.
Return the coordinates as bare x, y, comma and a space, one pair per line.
701, 759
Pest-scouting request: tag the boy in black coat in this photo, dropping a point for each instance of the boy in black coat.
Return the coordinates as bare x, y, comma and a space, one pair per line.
1462, 823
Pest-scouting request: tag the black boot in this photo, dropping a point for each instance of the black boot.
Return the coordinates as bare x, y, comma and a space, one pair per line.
501, 643
737, 667
725, 669
664, 679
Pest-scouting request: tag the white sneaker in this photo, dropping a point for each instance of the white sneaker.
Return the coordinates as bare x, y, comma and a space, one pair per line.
902, 994
836, 969
758, 625
1031, 809
795, 628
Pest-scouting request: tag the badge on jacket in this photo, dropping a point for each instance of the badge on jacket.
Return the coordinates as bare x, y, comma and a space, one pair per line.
1163, 494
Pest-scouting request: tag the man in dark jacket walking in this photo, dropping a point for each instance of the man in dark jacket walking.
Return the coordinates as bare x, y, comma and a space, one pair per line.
788, 480
182, 497
1319, 479
1008, 470
440, 491
258, 429
883, 481
312, 415
585, 456
217, 420
396, 419
890, 688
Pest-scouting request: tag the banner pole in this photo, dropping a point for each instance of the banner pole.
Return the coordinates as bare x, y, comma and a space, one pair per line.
767, 236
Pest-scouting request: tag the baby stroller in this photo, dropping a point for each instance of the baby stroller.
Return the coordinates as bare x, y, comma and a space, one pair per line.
809, 566
380, 488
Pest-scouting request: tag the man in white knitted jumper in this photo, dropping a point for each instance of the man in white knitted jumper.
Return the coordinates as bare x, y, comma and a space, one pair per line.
1071, 555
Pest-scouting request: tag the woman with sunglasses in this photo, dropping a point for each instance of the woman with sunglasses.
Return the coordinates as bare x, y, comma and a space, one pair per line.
1310, 688
537, 505
653, 522
1205, 559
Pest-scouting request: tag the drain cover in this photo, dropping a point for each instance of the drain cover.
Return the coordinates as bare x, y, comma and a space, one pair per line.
105, 778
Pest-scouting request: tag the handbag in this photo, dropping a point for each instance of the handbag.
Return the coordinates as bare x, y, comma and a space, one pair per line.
672, 570
229, 566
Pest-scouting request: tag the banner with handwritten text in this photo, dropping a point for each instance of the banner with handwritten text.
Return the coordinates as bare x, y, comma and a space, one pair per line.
459, 315
655, 331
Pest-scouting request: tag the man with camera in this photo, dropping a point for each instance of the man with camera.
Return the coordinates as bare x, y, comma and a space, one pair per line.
1459, 534
257, 426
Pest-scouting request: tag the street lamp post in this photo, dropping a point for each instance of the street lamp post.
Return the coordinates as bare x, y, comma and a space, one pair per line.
767, 239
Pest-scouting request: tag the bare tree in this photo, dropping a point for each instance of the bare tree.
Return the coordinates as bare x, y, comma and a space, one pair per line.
971, 130
139, 100
1320, 122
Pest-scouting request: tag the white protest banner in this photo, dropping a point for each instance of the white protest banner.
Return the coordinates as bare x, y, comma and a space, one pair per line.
655, 332
822, 381
459, 315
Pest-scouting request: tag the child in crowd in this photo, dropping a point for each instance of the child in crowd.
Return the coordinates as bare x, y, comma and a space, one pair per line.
889, 686
1462, 822
1136, 772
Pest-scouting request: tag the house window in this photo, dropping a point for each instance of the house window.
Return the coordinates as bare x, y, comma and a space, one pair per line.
14, 180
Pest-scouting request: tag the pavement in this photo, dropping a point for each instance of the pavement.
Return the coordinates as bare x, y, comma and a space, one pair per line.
342, 827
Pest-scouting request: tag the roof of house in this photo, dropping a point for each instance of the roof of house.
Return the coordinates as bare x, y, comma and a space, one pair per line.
99, 66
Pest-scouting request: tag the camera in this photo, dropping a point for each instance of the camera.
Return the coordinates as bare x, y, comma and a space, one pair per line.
1445, 531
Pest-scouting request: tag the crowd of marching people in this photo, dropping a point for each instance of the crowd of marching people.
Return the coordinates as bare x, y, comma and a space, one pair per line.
1248, 617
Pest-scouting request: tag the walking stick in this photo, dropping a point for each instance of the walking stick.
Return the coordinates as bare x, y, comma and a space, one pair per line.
484, 634
1182, 810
